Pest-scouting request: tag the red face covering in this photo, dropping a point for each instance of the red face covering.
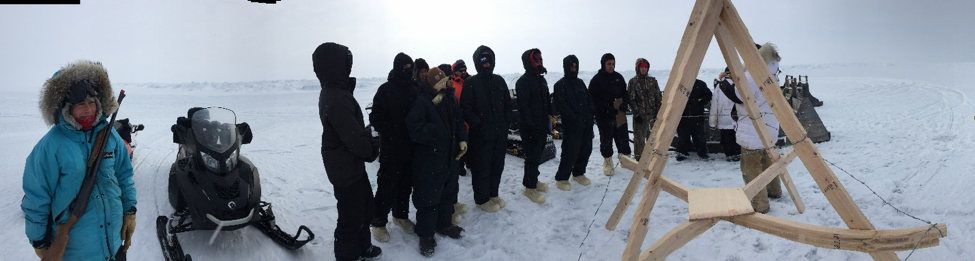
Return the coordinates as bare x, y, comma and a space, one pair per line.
85, 122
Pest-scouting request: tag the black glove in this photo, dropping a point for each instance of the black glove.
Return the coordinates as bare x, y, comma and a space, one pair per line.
638, 119
375, 151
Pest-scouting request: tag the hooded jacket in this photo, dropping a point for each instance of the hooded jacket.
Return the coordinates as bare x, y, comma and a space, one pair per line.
572, 98
485, 101
534, 100
746, 134
345, 141
698, 100
390, 105
645, 96
436, 130
55, 168
605, 88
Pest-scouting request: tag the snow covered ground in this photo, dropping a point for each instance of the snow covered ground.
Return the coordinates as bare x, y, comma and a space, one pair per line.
905, 130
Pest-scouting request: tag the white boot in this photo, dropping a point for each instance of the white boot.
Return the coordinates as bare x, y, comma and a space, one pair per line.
405, 224
456, 218
534, 195
582, 180
608, 166
563, 185
380, 234
460, 208
541, 186
498, 201
489, 206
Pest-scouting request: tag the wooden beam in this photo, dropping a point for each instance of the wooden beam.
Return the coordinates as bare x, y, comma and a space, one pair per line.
666, 184
869, 241
710, 203
676, 238
834, 191
751, 106
704, 19
759, 183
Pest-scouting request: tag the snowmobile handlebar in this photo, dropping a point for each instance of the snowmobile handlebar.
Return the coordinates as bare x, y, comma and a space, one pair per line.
56, 250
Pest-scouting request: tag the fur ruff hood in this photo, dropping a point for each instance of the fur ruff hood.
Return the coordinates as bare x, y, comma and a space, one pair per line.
55, 93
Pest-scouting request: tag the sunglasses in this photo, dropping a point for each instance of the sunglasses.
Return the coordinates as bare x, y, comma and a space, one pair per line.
484, 60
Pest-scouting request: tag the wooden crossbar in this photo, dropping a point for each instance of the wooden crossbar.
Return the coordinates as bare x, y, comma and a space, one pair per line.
870, 241
757, 184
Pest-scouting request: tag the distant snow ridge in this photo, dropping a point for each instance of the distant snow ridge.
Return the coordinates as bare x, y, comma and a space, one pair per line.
258, 86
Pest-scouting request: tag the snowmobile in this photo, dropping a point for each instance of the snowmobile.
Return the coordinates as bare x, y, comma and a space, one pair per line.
128, 131
514, 146
212, 186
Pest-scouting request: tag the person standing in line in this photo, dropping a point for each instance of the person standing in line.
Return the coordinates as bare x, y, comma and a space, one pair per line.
573, 101
645, 98
608, 91
390, 105
534, 108
346, 147
691, 126
486, 107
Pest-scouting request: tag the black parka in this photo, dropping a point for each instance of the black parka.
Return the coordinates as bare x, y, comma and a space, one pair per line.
572, 98
605, 88
534, 102
699, 99
345, 141
389, 109
485, 102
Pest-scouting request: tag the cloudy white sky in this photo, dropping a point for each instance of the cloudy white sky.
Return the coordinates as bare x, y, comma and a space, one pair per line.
235, 40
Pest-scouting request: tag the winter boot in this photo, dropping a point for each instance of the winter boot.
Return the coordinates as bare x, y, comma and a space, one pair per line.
460, 208
563, 185
534, 195
704, 156
497, 200
380, 234
582, 180
608, 166
452, 231
427, 246
541, 186
489, 206
456, 218
371, 252
405, 224
681, 156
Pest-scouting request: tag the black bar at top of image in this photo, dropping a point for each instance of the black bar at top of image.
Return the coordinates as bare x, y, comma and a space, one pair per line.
40, 2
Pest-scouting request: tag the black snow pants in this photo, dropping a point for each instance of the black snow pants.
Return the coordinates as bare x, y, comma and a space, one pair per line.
576, 148
355, 207
534, 144
608, 133
394, 185
728, 143
486, 160
692, 128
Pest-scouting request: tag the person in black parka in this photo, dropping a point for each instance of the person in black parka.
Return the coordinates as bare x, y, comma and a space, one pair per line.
437, 129
534, 108
608, 88
389, 108
346, 146
692, 125
486, 107
573, 101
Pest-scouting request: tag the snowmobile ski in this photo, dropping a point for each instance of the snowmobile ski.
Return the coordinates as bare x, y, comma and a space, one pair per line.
268, 226
172, 251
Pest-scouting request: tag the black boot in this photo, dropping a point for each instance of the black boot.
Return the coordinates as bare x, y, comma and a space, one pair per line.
451, 231
371, 252
704, 156
427, 246
681, 156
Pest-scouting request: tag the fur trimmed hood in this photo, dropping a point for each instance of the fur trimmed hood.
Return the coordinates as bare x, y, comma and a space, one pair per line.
769, 52
56, 89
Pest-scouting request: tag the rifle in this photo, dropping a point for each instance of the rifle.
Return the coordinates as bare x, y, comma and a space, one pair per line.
56, 251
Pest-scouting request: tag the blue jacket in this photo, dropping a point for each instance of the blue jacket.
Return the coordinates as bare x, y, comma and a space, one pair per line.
52, 178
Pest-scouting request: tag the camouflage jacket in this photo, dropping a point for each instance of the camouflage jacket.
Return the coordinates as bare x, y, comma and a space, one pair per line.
645, 96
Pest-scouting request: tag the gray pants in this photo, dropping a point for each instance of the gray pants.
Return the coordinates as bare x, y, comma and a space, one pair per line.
641, 132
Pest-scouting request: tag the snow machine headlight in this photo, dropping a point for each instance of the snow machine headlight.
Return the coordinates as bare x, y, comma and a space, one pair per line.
231, 162
211, 163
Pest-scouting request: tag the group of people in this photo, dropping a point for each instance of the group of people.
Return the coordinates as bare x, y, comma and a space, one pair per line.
431, 122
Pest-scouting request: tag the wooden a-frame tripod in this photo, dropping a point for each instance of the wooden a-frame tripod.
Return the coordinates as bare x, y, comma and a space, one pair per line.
719, 19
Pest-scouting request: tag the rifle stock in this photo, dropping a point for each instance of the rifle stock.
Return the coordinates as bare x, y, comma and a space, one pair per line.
63, 232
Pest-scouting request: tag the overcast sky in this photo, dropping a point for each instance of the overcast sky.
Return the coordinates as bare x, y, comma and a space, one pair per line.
235, 40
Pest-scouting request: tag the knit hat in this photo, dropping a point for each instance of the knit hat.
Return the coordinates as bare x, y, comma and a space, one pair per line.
459, 64
435, 75
445, 68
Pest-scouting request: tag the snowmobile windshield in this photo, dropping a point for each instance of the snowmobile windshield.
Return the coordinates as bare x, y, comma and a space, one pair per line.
215, 128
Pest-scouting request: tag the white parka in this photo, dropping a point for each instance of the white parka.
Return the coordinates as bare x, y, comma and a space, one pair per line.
721, 106
746, 135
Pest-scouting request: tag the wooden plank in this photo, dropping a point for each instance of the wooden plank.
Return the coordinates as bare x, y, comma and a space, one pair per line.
667, 118
869, 241
666, 184
676, 238
704, 20
759, 183
834, 191
711, 203
744, 88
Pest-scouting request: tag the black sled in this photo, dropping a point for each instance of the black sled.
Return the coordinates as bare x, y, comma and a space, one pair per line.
212, 186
